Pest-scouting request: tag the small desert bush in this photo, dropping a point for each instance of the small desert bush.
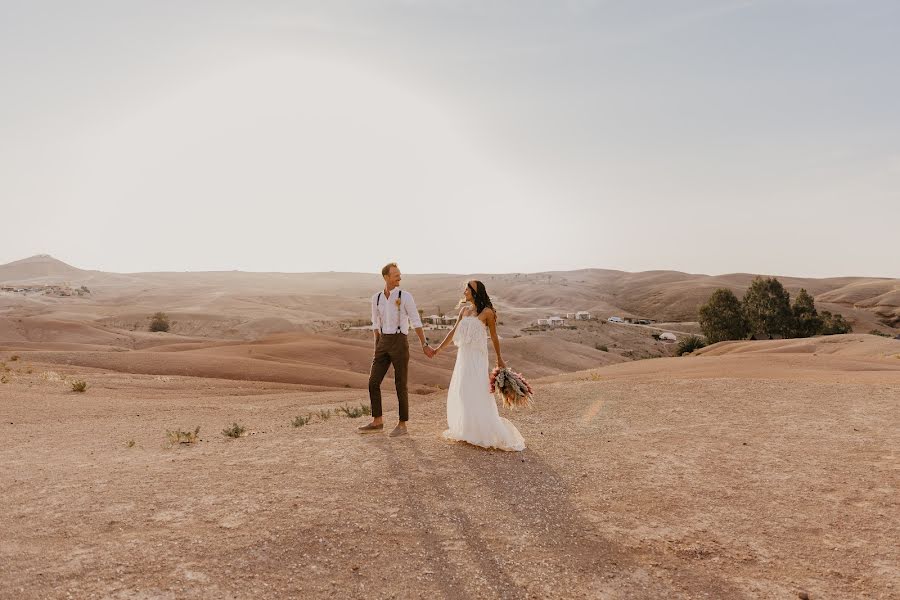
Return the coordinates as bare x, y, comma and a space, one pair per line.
14, 357
129, 444
355, 412
235, 431
183, 437
689, 344
324, 414
159, 322
300, 421
873, 332
4, 378
602, 347
79, 385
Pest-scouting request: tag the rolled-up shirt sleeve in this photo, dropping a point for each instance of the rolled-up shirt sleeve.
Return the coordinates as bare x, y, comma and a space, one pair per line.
411, 311
374, 312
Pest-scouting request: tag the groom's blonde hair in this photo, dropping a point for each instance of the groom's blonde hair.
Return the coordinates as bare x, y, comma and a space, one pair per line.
387, 269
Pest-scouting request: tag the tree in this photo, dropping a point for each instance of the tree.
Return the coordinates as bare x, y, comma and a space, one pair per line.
807, 321
833, 324
767, 308
159, 322
721, 318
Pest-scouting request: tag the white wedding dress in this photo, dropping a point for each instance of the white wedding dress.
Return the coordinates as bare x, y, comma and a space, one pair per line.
472, 414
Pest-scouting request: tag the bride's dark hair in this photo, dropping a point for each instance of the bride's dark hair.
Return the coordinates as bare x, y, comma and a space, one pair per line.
480, 296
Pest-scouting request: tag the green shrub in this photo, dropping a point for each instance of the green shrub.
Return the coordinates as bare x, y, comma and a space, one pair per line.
235, 431
159, 322
689, 344
880, 333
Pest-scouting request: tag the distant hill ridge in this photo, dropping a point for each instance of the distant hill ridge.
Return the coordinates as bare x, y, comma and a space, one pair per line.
662, 295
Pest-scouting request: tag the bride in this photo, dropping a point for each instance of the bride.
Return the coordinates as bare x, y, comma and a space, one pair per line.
471, 410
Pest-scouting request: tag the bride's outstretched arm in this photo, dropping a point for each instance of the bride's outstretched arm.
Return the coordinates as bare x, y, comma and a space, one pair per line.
492, 327
449, 337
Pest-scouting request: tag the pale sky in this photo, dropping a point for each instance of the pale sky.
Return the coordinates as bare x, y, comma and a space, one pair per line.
453, 136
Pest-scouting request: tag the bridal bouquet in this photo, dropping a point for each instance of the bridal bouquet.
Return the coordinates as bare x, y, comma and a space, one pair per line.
511, 387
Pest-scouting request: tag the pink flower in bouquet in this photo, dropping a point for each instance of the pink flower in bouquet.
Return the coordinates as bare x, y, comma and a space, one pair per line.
511, 387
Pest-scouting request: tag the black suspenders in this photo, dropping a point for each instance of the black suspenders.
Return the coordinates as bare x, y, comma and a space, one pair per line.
399, 297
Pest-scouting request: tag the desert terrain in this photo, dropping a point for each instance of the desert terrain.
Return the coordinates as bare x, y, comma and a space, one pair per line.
755, 469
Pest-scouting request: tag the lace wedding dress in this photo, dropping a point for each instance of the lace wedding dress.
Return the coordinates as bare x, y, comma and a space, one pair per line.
472, 414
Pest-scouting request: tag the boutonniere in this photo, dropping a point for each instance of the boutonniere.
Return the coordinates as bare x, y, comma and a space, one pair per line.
398, 302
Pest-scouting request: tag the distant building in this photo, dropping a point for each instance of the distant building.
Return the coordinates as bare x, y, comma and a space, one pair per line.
543, 321
556, 321
582, 315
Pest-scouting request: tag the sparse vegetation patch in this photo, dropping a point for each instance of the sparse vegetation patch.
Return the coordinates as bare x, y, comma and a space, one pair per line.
183, 437
300, 421
235, 431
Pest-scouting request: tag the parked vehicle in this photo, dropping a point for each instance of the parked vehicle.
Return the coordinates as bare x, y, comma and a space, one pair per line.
616, 320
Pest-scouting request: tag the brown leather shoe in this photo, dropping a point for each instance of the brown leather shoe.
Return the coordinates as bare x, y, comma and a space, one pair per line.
398, 431
370, 428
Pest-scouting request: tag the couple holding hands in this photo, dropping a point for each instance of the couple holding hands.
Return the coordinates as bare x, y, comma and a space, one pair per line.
472, 414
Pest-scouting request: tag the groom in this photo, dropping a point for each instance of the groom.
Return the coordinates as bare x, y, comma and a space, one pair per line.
392, 312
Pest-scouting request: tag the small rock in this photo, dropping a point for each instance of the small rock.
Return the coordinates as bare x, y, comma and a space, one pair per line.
803, 595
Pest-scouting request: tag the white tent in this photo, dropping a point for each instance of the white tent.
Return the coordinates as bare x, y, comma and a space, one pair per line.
667, 337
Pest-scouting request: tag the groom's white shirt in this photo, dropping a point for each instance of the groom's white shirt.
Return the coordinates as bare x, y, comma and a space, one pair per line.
386, 316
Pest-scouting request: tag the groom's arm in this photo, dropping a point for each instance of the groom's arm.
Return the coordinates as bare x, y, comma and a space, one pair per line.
376, 330
413, 313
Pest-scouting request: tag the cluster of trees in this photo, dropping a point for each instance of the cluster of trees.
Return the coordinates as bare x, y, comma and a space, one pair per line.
766, 309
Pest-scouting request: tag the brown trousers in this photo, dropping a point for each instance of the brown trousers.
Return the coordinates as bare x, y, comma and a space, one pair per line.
391, 349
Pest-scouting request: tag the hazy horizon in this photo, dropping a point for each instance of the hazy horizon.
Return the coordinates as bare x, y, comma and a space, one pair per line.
459, 273
744, 136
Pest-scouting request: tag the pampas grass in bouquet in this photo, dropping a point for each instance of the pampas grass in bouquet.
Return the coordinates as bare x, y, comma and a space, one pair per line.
511, 387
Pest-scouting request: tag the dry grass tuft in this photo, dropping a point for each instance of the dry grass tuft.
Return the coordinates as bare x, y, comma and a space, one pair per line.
183, 437
79, 385
301, 421
235, 431
355, 412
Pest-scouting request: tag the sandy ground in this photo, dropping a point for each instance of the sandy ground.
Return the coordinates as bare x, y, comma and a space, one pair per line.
759, 473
